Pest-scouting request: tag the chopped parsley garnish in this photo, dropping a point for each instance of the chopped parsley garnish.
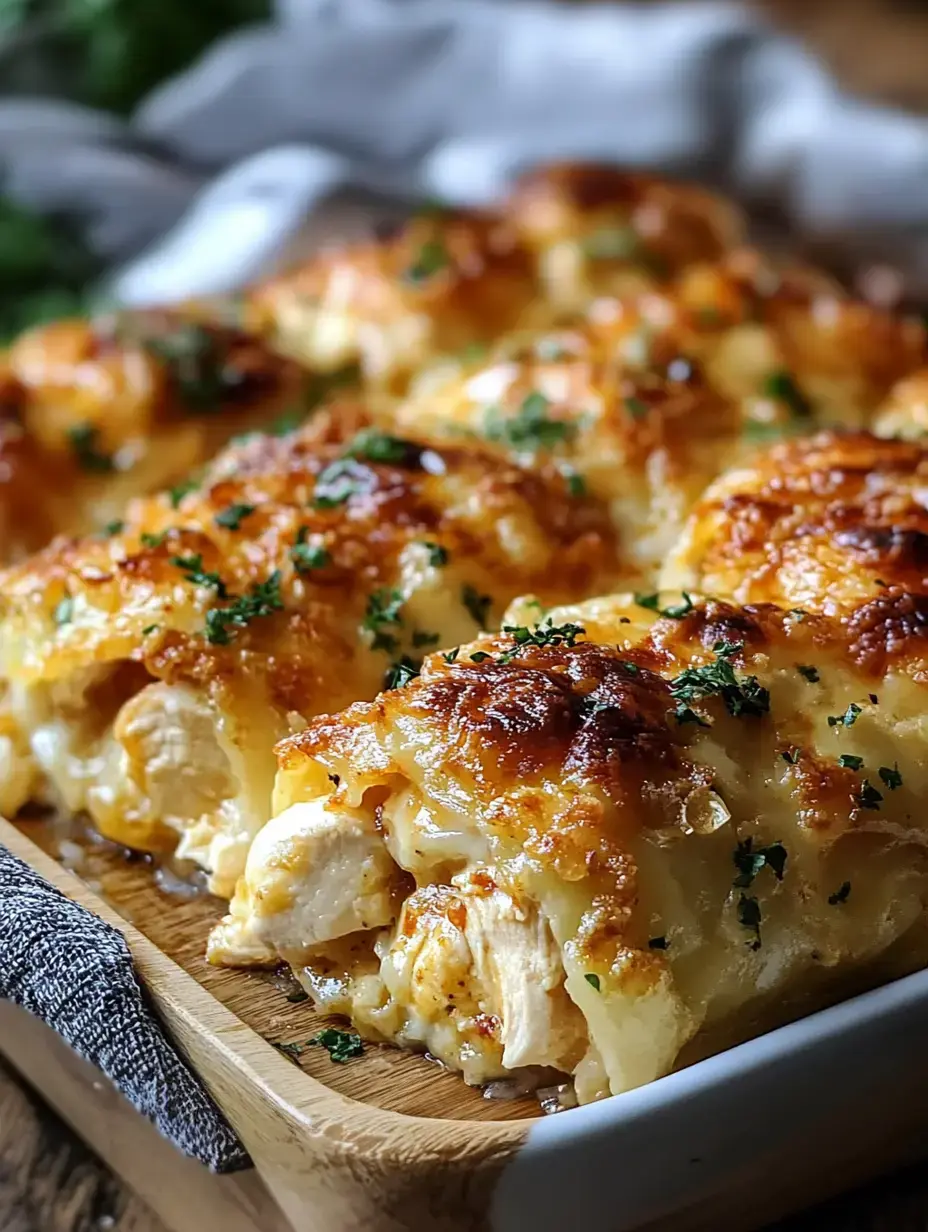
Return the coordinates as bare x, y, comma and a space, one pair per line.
808, 673
745, 696
83, 439
530, 428
148, 629
400, 673
149, 540
651, 602
547, 634
679, 610
750, 860
576, 484
193, 571
307, 556
291, 1051
478, 605
114, 528
782, 387
420, 638
841, 894
262, 599
340, 1045
798, 613
675, 612
480, 656
377, 446
685, 714
431, 259
636, 407
749, 916
451, 656
383, 609
233, 516
180, 490
340, 480
891, 777
868, 797
438, 556
790, 756
849, 761
198, 366
848, 719
657, 943
632, 668
592, 980
64, 611
611, 244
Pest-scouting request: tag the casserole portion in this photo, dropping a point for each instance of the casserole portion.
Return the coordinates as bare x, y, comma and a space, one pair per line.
824, 523
579, 843
149, 673
95, 412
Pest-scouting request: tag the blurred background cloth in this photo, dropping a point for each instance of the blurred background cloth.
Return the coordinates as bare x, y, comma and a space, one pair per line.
209, 180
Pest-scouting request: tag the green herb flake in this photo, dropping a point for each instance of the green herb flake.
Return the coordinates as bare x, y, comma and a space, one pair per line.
547, 634
149, 540
438, 556
848, 719
868, 797
263, 599
339, 481
478, 605
431, 259
180, 490
651, 602
149, 629
400, 673
636, 407
383, 611
193, 571
790, 756
798, 614
750, 860
849, 761
377, 446
679, 610
308, 556
576, 484
593, 981
749, 916
657, 943
198, 365
782, 387
841, 894
114, 528
451, 656
891, 777
340, 1045
530, 428
742, 697
233, 516
64, 611
291, 1051
685, 714
480, 656
808, 673
83, 439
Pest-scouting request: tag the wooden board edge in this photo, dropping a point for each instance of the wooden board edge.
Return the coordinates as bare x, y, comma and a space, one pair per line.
332, 1163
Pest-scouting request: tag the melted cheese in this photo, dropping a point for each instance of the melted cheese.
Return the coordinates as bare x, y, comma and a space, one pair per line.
602, 863
160, 724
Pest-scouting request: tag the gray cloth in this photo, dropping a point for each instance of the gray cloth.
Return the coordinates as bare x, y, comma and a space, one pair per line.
449, 99
74, 971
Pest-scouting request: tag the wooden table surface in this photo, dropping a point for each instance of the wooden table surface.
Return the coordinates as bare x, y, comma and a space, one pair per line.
51, 1182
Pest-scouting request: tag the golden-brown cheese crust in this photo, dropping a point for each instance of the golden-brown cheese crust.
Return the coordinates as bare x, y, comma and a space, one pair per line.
599, 231
444, 282
95, 412
700, 853
423, 551
825, 522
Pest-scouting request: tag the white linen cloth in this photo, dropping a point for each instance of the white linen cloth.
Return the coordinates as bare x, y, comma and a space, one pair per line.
217, 171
